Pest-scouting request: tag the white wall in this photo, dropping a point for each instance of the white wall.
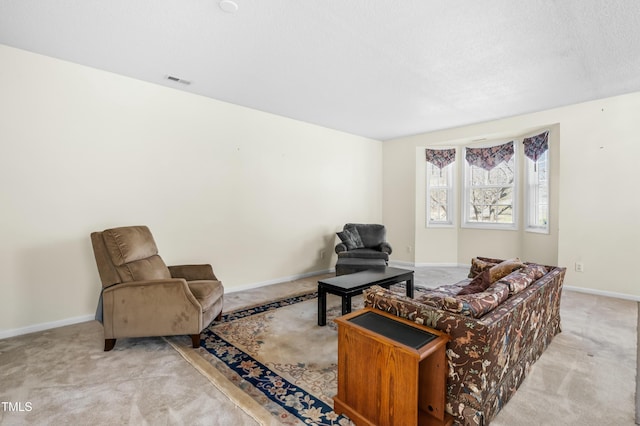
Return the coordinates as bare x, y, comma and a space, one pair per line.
596, 184
256, 195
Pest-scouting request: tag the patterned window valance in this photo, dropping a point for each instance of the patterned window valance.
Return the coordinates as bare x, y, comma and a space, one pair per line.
441, 158
488, 158
535, 146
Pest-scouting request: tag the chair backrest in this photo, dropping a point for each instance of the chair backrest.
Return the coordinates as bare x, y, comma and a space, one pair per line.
127, 254
372, 234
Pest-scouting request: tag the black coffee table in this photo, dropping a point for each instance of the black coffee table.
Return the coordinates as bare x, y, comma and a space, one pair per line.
350, 285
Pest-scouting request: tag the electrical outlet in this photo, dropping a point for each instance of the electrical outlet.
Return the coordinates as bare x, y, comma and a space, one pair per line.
409, 248
321, 254
579, 267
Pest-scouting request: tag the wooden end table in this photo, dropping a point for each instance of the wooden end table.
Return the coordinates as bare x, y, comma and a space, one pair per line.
391, 371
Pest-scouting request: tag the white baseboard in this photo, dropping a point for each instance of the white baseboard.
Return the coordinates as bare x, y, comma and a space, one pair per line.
45, 326
602, 293
401, 263
441, 265
277, 280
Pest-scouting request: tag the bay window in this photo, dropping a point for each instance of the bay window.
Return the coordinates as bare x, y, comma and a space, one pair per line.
490, 182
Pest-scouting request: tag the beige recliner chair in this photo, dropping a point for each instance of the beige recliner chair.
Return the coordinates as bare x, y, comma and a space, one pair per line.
142, 297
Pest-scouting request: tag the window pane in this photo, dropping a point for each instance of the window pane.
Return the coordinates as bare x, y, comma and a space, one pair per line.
478, 176
491, 194
504, 214
501, 175
439, 194
537, 197
437, 177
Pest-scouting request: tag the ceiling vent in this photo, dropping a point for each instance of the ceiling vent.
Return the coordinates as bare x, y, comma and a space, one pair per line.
178, 80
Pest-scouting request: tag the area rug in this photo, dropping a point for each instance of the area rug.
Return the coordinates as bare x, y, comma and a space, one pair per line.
278, 355
276, 364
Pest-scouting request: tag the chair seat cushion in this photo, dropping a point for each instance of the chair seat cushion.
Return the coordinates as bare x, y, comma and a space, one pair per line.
364, 253
350, 265
208, 292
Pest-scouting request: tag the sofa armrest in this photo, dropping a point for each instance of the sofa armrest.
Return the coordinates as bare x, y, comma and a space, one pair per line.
193, 272
340, 247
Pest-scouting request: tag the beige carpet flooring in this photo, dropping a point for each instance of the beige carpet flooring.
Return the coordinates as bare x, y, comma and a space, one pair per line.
586, 377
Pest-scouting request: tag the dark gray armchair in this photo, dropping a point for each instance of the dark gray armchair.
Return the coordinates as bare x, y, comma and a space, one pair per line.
363, 241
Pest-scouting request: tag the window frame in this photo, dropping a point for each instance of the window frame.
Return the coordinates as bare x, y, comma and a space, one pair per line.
531, 197
449, 169
467, 188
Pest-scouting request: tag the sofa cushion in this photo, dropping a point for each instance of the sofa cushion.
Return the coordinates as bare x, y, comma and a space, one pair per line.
435, 297
520, 279
477, 304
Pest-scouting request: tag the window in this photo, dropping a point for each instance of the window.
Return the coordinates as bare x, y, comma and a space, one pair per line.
440, 171
490, 187
536, 150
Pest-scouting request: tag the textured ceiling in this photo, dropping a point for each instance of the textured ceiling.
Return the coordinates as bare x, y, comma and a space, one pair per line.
381, 69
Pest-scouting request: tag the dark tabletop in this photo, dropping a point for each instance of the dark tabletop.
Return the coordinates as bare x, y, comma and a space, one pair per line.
364, 277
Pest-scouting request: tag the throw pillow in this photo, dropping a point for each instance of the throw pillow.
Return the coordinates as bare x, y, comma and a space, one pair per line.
479, 264
354, 235
479, 284
350, 238
503, 269
344, 237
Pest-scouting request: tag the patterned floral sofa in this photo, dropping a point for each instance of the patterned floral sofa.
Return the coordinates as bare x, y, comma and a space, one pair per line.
496, 333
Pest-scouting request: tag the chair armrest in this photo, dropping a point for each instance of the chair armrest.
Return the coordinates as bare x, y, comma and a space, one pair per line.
193, 272
161, 291
340, 247
150, 308
385, 247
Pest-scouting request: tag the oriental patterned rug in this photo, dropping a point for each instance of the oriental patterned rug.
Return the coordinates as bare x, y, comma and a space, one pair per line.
277, 354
